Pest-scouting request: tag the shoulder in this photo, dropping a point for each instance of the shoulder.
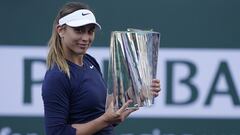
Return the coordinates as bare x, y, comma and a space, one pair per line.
55, 79
55, 74
90, 58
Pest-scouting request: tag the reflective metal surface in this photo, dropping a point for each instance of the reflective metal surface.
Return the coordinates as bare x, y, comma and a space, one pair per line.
132, 66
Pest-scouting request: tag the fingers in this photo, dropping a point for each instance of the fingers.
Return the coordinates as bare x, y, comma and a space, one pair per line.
155, 83
112, 116
123, 108
155, 87
127, 112
155, 94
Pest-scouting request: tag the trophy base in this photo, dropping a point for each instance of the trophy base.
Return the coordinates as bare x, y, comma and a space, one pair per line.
148, 102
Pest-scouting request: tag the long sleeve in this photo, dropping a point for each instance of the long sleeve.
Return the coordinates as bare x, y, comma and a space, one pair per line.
55, 94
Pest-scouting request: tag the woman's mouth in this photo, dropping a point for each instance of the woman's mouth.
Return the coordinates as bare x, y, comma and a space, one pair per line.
83, 45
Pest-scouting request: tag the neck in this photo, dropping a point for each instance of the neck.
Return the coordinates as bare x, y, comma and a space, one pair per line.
76, 59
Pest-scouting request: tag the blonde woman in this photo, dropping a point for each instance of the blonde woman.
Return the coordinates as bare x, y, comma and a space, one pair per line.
73, 91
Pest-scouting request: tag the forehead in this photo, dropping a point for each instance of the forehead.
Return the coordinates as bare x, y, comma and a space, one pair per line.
88, 26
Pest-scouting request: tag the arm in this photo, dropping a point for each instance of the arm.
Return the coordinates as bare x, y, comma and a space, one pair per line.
109, 117
55, 94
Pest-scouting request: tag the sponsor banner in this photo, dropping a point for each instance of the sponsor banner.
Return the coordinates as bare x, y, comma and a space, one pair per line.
21, 125
195, 82
133, 126
157, 126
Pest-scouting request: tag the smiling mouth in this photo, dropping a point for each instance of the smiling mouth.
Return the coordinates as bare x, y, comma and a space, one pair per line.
83, 46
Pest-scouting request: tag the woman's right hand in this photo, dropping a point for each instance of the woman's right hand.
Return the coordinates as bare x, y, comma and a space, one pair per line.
115, 117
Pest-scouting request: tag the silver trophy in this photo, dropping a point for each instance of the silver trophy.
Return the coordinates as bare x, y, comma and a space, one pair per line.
132, 66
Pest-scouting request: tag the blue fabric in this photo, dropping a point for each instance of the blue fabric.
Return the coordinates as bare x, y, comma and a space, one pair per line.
76, 100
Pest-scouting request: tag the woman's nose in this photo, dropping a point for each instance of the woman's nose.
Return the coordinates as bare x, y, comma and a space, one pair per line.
85, 36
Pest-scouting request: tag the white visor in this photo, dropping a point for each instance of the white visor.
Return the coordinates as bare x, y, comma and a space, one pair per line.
79, 18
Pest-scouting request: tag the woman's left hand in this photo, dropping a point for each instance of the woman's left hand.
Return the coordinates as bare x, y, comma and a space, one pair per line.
155, 87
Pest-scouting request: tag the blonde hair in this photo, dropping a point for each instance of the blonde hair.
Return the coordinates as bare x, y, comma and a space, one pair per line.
56, 53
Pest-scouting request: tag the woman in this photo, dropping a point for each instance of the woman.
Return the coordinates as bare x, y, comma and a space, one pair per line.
73, 90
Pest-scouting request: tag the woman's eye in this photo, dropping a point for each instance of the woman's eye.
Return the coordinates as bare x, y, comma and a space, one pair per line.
79, 30
90, 31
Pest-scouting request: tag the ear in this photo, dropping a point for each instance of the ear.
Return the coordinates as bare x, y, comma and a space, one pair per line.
60, 30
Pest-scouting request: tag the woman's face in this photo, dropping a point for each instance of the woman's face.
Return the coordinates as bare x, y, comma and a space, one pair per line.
76, 40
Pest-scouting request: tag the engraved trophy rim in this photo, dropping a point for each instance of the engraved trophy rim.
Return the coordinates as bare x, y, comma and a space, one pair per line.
136, 31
